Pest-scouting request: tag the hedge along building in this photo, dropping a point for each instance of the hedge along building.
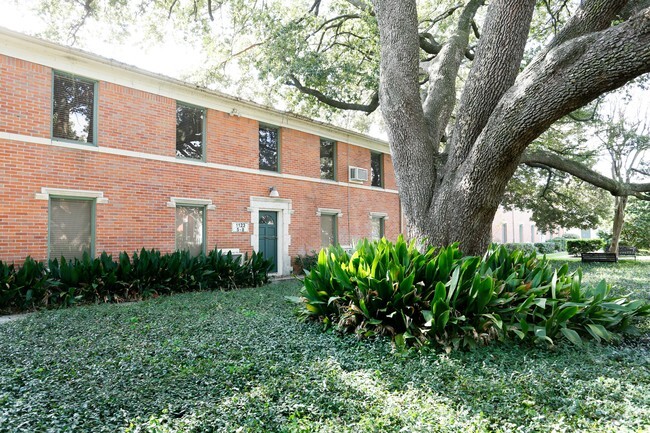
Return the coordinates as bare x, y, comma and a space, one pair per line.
101, 156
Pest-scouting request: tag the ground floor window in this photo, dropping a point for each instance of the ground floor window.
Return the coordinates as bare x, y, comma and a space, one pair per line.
377, 224
71, 227
190, 229
328, 230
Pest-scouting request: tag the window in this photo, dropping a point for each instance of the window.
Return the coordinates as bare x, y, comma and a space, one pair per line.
327, 159
269, 148
377, 228
73, 108
328, 230
377, 169
190, 126
504, 233
532, 233
521, 233
190, 229
71, 227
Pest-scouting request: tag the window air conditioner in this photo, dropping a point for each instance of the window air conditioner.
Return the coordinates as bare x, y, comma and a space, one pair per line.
358, 174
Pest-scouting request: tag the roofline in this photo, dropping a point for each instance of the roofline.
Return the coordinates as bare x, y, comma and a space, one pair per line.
50, 54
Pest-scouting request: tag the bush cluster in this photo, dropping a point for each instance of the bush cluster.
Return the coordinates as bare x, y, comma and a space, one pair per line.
305, 262
149, 273
546, 247
441, 298
578, 246
525, 247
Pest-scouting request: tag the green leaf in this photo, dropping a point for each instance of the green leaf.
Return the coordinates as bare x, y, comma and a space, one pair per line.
598, 331
572, 336
428, 317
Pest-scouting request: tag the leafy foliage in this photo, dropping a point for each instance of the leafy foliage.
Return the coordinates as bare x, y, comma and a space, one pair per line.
636, 230
441, 298
546, 247
525, 247
145, 274
306, 262
577, 246
239, 361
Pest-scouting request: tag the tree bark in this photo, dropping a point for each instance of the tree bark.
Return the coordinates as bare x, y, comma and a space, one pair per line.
619, 219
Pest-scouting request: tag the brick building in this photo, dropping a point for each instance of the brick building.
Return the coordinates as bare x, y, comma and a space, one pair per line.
99, 156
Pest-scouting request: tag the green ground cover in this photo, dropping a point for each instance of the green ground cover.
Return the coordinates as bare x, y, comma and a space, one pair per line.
240, 361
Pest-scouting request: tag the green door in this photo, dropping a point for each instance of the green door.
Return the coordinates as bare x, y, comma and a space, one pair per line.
269, 237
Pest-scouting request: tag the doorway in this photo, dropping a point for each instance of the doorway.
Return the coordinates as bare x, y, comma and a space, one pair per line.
268, 237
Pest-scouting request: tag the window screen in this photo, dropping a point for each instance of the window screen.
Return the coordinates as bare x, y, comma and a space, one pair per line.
189, 131
73, 108
71, 223
377, 228
376, 167
190, 229
269, 149
328, 232
327, 152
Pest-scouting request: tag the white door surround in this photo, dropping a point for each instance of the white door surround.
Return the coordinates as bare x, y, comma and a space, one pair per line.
283, 207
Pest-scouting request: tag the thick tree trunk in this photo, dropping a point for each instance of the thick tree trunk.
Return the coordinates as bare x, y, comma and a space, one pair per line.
619, 219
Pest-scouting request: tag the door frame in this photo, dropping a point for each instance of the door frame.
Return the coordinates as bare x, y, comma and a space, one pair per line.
283, 207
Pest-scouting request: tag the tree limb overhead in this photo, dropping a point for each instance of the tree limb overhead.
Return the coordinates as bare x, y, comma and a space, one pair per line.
366, 108
545, 159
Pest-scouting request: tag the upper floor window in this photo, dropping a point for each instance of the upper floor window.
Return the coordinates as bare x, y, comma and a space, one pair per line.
73, 108
269, 139
327, 159
377, 169
190, 122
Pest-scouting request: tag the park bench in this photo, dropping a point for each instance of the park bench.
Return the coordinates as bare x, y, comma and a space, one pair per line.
599, 257
627, 251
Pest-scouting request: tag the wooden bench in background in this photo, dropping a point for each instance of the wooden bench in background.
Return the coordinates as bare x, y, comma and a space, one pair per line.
627, 251
600, 257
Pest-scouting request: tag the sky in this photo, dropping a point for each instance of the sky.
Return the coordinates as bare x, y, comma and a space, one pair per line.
160, 58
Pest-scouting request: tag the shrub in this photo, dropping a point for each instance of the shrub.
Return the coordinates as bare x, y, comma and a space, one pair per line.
441, 298
306, 262
578, 246
525, 247
147, 273
560, 244
545, 247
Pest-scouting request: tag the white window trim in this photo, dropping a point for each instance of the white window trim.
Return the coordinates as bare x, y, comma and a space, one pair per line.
71, 193
329, 211
180, 201
383, 215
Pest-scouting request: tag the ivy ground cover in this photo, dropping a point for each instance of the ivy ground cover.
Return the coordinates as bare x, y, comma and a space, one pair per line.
240, 361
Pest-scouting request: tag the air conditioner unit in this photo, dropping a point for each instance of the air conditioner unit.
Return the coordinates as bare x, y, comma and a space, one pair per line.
358, 174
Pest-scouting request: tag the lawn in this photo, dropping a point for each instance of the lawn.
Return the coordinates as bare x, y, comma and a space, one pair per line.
240, 361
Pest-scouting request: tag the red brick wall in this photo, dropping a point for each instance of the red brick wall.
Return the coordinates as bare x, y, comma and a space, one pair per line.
133, 120
138, 189
25, 97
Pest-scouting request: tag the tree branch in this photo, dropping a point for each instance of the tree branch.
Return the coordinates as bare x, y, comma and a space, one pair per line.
366, 108
541, 158
498, 59
443, 71
592, 16
362, 6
